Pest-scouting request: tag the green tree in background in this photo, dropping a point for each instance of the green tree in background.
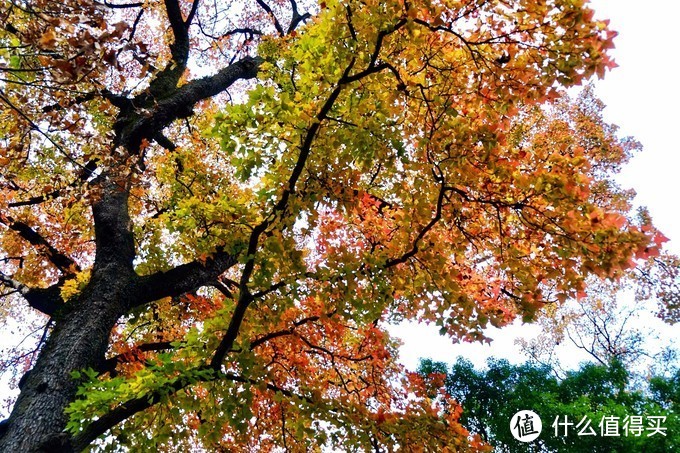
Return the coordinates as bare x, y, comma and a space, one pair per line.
599, 393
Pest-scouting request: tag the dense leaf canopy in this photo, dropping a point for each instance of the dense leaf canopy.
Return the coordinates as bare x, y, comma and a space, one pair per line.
220, 204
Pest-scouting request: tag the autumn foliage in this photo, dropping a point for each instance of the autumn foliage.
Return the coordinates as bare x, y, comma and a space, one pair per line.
220, 205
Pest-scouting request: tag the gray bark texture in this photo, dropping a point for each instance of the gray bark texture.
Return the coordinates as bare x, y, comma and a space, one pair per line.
80, 337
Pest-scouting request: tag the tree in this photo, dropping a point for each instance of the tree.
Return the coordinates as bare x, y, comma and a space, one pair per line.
606, 329
492, 396
218, 205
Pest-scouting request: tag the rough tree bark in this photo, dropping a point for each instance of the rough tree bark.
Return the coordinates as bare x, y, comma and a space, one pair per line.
80, 337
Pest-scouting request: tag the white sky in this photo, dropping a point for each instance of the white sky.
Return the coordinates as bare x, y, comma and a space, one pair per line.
643, 98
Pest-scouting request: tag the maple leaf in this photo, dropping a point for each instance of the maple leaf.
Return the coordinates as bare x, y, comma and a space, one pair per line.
48, 39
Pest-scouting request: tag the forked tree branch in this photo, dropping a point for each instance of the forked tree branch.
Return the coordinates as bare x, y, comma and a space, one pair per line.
183, 278
168, 78
178, 103
45, 300
272, 16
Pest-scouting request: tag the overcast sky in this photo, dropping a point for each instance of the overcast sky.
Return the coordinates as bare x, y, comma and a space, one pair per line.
643, 98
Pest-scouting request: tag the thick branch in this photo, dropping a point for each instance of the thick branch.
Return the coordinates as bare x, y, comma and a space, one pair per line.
123, 412
184, 278
227, 342
167, 79
192, 13
165, 142
37, 199
131, 131
45, 300
207, 87
296, 17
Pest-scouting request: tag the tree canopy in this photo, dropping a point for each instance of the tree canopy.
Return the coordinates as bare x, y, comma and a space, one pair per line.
219, 205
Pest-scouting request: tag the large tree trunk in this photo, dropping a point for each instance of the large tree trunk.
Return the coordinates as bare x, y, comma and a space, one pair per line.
78, 341
81, 334
80, 337
82, 326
